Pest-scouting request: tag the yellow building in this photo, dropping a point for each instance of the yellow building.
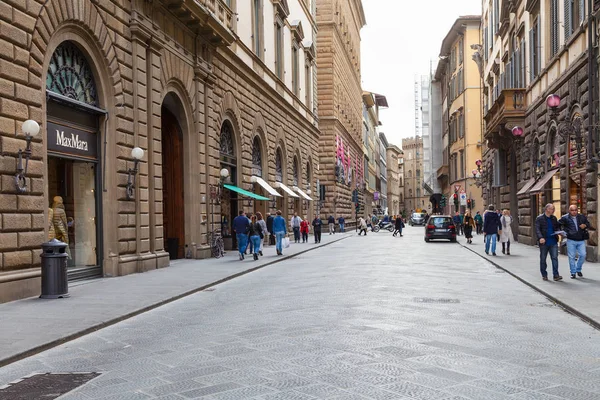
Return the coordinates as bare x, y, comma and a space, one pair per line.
461, 100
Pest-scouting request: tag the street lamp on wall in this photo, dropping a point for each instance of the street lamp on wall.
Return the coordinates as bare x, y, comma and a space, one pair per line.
30, 128
137, 154
566, 129
479, 174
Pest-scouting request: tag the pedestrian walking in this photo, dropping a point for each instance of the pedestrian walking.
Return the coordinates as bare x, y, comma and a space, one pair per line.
398, 225
279, 227
255, 234
546, 229
240, 227
374, 221
478, 222
317, 224
576, 227
295, 224
491, 227
363, 226
457, 223
304, 228
468, 226
331, 224
507, 233
250, 245
270, 219
265, 232
342, 223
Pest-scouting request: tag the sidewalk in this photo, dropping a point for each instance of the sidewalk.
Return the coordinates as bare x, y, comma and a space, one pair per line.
32, 325
579, 296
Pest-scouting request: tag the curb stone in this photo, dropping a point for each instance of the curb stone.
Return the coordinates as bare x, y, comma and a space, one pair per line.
571, 310
113, 321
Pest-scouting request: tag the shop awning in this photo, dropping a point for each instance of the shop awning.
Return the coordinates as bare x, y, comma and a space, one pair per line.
286, 189
539, 186
265, 185
245, 193
301, 193
527, 186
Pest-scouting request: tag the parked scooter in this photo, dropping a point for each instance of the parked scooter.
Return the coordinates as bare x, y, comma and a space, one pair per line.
387, 226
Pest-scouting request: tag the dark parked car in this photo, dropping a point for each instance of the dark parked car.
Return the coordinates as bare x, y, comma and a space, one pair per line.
440, 227
417, 219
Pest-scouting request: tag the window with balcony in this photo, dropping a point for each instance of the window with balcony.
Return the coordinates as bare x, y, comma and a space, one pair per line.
257, 28
574, 16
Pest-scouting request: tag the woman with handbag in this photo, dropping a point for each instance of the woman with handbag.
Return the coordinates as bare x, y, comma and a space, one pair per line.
255, 234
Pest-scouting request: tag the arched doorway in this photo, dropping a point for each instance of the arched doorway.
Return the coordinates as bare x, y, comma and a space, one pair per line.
298, 206
172, 184
74, 165
229, 199
279, 178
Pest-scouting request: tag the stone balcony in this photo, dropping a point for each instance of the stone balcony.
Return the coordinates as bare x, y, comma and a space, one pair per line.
208, 17
507, 111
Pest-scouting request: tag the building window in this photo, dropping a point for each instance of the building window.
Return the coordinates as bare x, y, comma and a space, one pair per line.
554, 26
279, 48
70, 75
278, 166
295, 69
461, 83
462, 165
461, 125
257, 28
418, 192
574, 16
256, 157
461, 51
534, 50
295, 171
308, 87
418, 173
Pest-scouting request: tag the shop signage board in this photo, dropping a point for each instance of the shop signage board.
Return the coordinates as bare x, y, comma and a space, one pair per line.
71, 141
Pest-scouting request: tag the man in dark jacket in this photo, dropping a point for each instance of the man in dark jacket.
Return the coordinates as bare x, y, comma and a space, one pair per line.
241, 223
457, 223
575, 225
491, 228
317, 223
546, 226
331, 224
270, 219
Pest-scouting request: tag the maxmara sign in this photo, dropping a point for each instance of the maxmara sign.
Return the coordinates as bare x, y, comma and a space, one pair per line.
72, 141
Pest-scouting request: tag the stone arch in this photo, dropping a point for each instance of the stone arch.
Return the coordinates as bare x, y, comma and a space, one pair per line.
173, 68
80, 24
259, 131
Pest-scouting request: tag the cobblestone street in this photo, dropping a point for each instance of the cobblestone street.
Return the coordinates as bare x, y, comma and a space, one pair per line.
372, 317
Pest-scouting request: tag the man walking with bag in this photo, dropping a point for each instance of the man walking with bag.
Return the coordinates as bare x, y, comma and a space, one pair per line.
576, 226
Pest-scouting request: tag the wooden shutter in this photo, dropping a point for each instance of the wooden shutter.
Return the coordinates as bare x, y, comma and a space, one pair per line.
538, 46
554, 27
568, 19
532, 60
581, 10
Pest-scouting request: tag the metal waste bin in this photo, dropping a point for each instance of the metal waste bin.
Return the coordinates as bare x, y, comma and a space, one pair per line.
54, 270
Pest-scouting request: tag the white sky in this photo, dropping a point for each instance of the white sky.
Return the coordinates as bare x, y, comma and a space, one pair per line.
399, 41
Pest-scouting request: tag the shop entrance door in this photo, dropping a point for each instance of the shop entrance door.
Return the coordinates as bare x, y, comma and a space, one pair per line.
172, 183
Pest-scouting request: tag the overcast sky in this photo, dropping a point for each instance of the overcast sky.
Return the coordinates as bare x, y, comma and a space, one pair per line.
399, 41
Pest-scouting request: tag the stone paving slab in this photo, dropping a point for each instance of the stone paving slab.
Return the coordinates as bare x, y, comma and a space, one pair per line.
579, 296
31, 325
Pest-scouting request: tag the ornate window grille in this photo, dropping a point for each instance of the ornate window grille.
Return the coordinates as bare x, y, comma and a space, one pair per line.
278, 167
226, 140
256, 158
70, 75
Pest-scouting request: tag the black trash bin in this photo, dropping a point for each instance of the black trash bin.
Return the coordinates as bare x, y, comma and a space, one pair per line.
54, 270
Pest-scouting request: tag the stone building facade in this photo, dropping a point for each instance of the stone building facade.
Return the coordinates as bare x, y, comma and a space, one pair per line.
415, 197
531, 159
341, 157
393, 154
187, 82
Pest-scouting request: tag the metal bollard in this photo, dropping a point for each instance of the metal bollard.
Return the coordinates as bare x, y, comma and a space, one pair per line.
54, 270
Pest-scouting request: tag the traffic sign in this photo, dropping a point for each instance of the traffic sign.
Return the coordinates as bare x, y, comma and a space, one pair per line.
457, 188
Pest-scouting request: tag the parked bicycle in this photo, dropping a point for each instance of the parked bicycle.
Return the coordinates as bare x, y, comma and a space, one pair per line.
217, 246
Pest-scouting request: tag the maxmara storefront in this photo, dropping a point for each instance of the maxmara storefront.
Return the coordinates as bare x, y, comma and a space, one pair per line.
140, 109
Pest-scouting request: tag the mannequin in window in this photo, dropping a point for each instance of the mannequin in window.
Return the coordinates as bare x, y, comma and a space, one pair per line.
59, 219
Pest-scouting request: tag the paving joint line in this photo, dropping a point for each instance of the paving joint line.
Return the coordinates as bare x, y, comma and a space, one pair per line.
567, 308
68, 338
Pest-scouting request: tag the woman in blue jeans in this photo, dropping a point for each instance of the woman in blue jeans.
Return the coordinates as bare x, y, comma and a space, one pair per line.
280, 230
255, 233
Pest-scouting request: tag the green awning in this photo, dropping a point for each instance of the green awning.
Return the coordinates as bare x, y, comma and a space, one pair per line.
245, 193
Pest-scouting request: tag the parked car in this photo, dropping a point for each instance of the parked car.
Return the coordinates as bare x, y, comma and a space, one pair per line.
440, 227
417, 219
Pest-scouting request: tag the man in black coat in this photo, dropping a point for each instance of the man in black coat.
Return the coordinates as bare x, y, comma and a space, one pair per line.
491, 228
270, 219
546, 228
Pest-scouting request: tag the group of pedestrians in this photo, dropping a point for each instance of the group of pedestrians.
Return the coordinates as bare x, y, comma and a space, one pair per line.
549, 231
251, 231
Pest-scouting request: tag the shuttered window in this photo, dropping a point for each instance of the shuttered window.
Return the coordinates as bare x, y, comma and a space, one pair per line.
554, 39
569, 14
534, 51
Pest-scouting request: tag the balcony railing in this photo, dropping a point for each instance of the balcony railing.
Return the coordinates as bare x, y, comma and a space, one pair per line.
202, 14
510, 106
